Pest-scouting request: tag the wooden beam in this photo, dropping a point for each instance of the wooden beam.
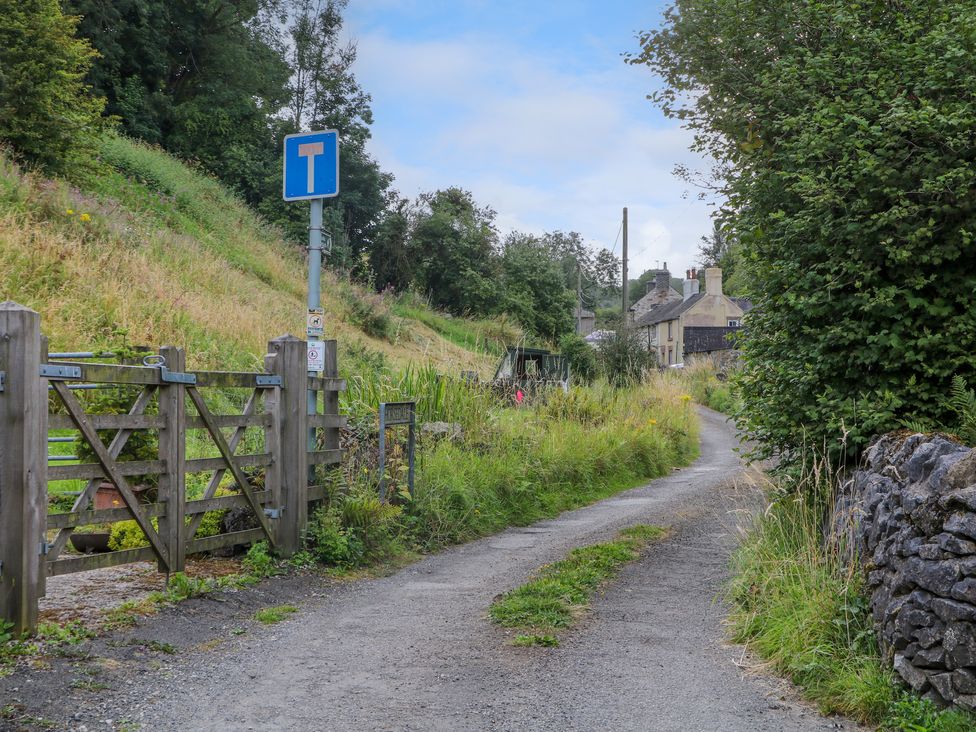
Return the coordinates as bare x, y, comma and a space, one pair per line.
107, 373
99, 561
172, 451
109, 421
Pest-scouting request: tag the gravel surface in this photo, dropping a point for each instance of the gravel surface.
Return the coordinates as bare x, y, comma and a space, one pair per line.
415, 651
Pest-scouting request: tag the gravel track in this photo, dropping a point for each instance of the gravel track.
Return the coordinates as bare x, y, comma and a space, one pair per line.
414, 651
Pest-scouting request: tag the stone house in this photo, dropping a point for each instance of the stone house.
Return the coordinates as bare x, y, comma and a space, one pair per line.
699, 323
659, 292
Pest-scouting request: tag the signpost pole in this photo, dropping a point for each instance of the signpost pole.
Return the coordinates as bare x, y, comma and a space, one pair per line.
314, 294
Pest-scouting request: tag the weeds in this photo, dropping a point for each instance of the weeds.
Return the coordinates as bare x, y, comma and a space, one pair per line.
561, 591
272, 615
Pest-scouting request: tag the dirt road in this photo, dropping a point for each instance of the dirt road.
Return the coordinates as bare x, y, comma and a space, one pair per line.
414, 651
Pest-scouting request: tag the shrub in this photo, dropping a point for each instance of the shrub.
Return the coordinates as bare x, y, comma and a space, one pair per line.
623, 357
370, 312
47, 112
259, 562
582, 358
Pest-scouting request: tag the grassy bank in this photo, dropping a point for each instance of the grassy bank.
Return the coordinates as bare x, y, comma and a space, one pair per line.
707, 381
798, 607
506, 466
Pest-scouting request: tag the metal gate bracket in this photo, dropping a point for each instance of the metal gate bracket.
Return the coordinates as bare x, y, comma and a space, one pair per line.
267, 380
273, 513
3, 379
175, 377
54, 371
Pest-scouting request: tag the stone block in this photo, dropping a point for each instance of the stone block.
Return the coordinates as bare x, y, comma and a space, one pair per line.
965, 590
954, 544
942, 683
930, 551
953, 610
959, 641
963, 473
964, 498
964, 680
912, 676
934, 657
936, 577
963, 524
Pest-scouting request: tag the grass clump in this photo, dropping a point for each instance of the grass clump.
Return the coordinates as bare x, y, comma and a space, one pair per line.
272, 615
706, 380
561, 591
802, 609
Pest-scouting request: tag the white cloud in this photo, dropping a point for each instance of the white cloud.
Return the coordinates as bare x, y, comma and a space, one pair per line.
546, 148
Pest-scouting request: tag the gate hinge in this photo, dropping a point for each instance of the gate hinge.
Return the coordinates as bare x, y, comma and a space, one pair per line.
273, 513
175, 377
54, 371
45, 549
267, 380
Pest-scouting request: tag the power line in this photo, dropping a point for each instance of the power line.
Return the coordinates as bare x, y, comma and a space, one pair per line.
617, 238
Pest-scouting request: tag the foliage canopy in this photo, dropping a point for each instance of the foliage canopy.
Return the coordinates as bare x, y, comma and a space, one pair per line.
844, 130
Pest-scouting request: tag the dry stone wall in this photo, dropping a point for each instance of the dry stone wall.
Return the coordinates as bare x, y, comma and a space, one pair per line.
911, 514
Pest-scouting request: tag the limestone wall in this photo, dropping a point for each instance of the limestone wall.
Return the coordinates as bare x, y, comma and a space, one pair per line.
911, 514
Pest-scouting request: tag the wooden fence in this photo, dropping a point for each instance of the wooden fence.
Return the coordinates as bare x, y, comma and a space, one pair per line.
33, 542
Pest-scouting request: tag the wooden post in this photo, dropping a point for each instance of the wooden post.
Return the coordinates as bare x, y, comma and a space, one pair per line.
272, 436
23, 466
291, 364
331, 398
172, 451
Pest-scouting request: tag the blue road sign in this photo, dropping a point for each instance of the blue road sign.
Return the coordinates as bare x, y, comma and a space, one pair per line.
311, 165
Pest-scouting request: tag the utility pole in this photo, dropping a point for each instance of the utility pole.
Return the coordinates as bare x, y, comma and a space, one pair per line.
626, 288
579, 299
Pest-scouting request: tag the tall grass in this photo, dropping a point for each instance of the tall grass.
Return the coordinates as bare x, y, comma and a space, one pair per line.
800, 607
707, 381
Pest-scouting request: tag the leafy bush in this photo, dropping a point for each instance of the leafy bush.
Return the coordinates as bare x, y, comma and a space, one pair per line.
858, 257
357, 528
128, 535
47, 112
259, 562
623, 357
370, 312
582, 358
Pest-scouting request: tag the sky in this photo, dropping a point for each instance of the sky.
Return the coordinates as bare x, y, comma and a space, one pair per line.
530, 106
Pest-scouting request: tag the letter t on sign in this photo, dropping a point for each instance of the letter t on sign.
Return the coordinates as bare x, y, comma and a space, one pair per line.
310, 150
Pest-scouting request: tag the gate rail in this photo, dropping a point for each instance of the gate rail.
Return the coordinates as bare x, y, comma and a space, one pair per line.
32, 542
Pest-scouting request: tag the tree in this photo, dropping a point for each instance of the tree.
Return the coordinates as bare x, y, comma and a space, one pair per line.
845, 129
534, 289
48, 114
454, 248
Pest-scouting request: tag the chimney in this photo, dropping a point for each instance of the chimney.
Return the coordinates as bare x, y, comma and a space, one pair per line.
690, 286
662, 280
713, 281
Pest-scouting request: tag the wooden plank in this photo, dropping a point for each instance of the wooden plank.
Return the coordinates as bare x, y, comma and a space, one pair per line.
230, 420
232, 463
316, 493
327, 420
201, 465
227, 379
272, 436
326, 383
202, 505
330, 399
107, 373
324, 457
114, 449
98, 561
100, 516
209, 543
219, 472
23, 460
111, 470
95, 470
172, 451
109, 421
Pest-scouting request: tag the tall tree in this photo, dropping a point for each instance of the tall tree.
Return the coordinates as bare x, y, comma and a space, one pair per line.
534, 288
47, 113
846, 129
454, 247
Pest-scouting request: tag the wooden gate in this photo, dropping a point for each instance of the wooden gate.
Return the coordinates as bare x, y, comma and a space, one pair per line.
169, 401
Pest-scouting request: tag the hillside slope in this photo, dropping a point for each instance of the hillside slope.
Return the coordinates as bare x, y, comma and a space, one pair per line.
153, 252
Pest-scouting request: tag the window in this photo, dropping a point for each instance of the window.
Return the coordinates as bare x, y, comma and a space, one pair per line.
669, 330
733, 323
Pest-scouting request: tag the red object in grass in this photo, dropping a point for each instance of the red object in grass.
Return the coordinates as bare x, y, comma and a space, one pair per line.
519, 396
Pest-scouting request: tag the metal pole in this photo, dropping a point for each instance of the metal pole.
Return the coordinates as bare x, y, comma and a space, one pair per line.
314, 295
626, 297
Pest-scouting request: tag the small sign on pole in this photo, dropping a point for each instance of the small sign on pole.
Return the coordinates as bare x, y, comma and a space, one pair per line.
391, 415
316, 356
315, 323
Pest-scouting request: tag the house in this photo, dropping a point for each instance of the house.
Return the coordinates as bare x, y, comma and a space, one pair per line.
659, 292
699, 323
585, 321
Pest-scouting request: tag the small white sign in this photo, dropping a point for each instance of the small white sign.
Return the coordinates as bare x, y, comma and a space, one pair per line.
315, 323
316, 356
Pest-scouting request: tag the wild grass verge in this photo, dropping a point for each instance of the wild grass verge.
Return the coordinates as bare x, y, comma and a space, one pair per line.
561, 591
707, 381
798, 606
496, 465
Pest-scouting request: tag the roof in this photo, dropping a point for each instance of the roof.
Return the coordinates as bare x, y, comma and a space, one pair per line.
530, 351
598, 335
668, 311
669, 295
743, 302
705, 339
